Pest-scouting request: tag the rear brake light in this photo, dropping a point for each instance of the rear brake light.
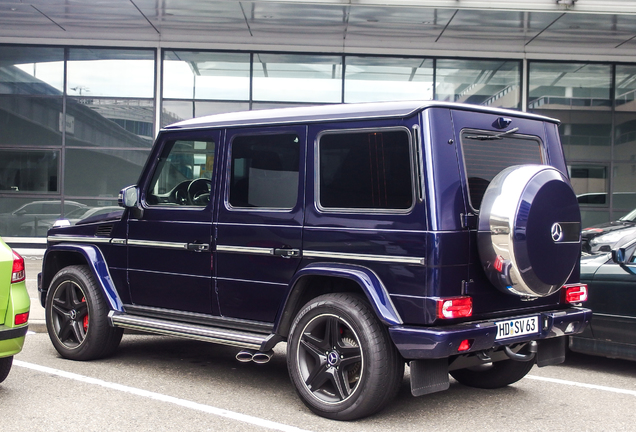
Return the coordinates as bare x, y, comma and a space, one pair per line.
575, 293
22, 318
18, 273
455, 307
465, 345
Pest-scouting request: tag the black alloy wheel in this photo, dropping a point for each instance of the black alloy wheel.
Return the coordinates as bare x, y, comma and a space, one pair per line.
77, 316
341, 359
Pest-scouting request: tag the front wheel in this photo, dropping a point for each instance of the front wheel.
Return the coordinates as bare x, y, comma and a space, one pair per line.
77, 316
5, 367
493, 375
341, 359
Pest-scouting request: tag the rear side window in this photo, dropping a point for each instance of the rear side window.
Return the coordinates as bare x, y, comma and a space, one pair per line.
365, 170
486, 154
265, 171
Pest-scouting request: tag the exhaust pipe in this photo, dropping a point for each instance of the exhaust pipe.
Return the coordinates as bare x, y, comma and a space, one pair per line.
245, 356
262, 357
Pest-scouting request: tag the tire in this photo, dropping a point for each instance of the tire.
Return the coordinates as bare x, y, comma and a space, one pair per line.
77, 316
341, 359
5, 367
493, 375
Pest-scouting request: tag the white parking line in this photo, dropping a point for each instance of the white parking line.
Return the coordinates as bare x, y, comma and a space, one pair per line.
578, 384
163, 398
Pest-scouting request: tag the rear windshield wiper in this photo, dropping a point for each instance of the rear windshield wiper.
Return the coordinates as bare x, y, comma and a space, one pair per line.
492, 137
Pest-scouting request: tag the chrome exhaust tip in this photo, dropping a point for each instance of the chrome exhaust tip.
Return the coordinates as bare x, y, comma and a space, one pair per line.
245, 355
262, 357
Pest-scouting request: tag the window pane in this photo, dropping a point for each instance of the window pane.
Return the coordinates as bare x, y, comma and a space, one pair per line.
183, 174
24, 217
624, 187
573, 86
176, 111
370, 170
265, 171
29, 171
590, 184
206, 75
97, 122
31, 71
482, 82
297, 78
370, 79
110, 72
101, 173
31, 121
209, 108
485, 158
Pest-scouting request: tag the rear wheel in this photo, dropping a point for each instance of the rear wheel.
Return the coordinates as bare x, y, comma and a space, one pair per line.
341, 359
77, 316
5, 367
493, 375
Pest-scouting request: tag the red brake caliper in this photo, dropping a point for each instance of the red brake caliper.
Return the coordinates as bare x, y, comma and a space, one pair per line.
85, 316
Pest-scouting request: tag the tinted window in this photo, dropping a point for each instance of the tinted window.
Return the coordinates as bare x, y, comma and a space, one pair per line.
183, 174
367, 170
265, 171
486, 157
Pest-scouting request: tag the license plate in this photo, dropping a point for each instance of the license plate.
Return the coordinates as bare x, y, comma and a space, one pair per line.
517, 327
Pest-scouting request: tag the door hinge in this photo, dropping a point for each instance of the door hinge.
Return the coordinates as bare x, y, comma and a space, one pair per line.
468, 220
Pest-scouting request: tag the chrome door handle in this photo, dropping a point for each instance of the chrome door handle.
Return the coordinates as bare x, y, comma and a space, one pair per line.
198, 247
287, 253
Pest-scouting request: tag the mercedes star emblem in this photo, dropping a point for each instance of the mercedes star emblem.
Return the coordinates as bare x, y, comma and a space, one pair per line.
556, 232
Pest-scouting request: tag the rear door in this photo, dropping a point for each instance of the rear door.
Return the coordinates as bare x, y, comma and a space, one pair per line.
260, 218
487, 144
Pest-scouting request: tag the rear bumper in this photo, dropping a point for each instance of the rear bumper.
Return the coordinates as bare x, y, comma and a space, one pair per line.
441, 342
11, 340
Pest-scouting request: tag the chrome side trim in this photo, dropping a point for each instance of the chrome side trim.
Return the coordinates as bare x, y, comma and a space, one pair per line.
245, 249
165, 245
77, 239
190, 331
365, 257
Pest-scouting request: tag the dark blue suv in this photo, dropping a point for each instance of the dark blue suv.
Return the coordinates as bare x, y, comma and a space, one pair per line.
365, 236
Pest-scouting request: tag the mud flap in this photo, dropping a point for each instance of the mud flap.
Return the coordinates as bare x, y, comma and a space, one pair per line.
429, 376
551, 351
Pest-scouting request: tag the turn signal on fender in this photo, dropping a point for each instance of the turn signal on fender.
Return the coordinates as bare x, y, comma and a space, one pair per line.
454, 307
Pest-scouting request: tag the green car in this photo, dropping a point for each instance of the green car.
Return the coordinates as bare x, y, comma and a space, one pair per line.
14, 307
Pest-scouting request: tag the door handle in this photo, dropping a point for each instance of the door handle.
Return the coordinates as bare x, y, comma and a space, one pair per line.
287, 253
198, 247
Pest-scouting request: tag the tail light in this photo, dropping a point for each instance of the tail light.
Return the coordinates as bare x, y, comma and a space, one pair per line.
17, 274
574, 293
22, 318
454, 307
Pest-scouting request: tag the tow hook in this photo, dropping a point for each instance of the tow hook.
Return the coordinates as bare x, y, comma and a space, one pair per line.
532, 348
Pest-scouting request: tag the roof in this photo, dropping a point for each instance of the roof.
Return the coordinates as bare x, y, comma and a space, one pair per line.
335, 112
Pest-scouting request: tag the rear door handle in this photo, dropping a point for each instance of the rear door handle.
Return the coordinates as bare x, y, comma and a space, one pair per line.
198, 247
287, 253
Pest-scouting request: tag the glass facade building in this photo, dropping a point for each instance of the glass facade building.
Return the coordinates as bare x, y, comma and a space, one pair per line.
78, 123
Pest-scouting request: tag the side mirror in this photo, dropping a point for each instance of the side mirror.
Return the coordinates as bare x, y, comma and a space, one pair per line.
618, 255
128, 197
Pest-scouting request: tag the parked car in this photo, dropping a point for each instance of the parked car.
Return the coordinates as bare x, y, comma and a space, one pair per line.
42, 226
602, 237
14, 307
611, 280
363, 235
25, 219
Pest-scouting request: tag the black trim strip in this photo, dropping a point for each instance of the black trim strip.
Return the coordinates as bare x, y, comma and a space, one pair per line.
13, 333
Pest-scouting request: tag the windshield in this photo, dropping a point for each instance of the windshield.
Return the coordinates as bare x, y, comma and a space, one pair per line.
630, 217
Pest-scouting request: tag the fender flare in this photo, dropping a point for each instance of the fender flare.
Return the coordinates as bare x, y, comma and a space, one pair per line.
97, 264
367, 279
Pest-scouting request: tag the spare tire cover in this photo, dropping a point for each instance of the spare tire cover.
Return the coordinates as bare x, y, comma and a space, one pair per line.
529, 233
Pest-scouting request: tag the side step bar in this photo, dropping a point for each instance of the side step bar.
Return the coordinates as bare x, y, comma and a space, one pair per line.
218, 335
